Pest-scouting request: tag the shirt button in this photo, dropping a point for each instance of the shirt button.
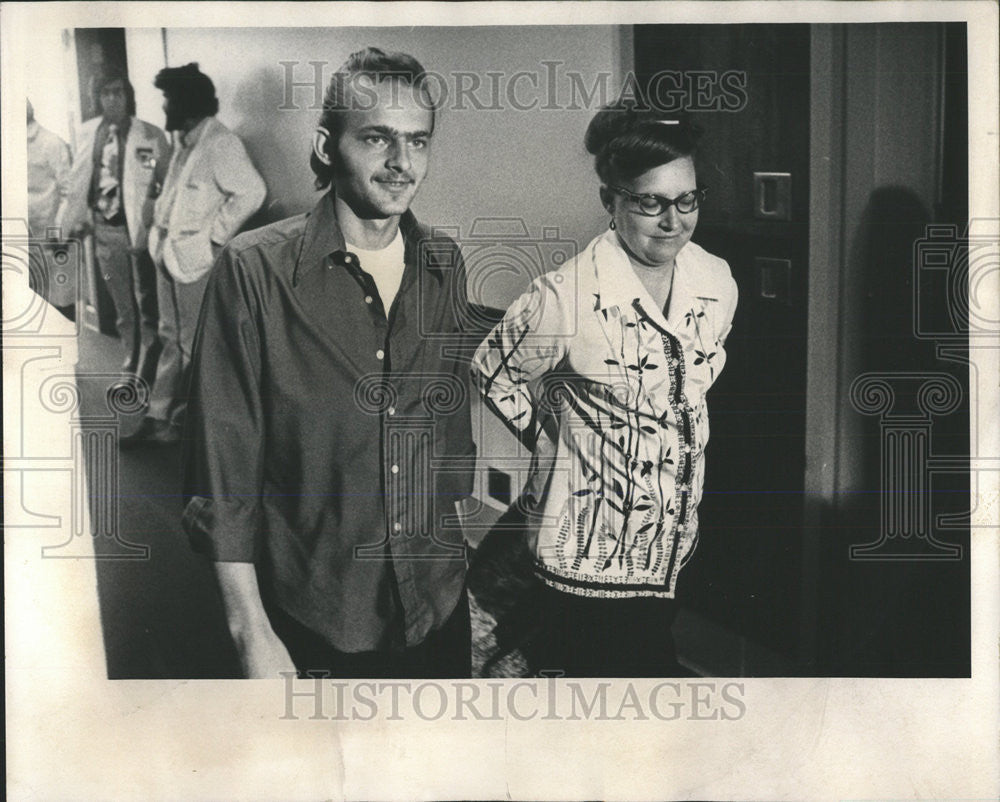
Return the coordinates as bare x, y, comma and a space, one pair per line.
368, 299
392, 411
380, 354
397, 527
394, 469
687, 449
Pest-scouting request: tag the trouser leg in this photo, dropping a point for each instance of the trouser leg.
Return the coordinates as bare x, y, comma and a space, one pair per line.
179, 307
189, 298
144, 283
169, 364
112, 252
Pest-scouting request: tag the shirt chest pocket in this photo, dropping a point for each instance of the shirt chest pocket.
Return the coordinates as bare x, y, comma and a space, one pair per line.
140, 165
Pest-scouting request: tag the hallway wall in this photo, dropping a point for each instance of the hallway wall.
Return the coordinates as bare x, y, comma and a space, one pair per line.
504, 163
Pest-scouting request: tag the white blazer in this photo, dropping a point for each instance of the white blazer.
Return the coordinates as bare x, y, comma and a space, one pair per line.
218, 188
145, 159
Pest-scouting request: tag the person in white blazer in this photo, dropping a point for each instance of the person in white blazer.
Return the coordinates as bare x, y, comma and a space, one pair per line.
119, 165
211, 189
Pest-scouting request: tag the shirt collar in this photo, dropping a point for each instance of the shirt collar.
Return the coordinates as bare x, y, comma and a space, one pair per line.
190, 139
122, 128
618, 285
323, 238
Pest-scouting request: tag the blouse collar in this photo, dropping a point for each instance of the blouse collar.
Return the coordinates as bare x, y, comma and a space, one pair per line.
618, 285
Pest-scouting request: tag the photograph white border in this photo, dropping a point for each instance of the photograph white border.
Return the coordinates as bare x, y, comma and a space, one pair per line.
71, 734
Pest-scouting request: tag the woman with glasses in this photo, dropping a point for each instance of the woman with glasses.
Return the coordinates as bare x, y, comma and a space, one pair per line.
601, 368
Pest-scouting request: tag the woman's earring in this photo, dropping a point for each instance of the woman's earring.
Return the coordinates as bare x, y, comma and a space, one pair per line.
611, 225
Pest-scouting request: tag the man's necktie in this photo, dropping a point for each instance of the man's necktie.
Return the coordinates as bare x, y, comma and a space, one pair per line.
109, 202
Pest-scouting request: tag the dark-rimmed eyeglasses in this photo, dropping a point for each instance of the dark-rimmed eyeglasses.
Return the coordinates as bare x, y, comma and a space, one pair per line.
651, 205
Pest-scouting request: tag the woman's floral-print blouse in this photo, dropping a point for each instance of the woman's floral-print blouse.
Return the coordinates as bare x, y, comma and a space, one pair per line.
610, 395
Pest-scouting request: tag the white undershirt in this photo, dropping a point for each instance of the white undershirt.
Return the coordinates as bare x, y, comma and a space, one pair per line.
385, 266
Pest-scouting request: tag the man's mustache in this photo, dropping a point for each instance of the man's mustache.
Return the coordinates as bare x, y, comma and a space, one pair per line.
396, 177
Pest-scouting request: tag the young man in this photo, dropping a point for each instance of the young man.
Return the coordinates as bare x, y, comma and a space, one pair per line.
211, 189
118, 167
329, 421
48, 182
48, 176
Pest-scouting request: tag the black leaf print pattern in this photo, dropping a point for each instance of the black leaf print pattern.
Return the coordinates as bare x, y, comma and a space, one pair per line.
703, 357
627, 411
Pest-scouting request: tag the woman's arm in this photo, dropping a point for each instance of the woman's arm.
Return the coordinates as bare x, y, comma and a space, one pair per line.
528, 343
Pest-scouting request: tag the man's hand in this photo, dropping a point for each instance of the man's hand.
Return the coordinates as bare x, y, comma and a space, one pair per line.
80, 230
262, 654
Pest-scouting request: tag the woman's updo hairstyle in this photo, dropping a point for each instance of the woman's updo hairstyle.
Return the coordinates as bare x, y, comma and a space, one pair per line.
627, 140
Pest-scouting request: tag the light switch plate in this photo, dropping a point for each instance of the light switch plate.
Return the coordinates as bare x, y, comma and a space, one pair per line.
772, 196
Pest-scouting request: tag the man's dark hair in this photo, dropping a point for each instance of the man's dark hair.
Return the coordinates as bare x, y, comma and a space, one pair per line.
190, 89
626, 140
108, 74
378, 66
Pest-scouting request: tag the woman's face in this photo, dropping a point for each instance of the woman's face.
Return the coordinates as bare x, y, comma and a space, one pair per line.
655, 241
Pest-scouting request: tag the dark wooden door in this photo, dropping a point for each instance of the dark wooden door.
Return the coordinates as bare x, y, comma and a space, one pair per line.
747, 86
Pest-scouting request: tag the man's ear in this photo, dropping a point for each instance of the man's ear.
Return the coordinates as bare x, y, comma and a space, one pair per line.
321, 140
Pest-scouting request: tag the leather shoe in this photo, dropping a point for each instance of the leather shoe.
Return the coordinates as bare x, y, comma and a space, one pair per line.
152, 432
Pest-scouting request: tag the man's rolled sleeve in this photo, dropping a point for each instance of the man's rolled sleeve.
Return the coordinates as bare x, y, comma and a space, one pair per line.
224, 443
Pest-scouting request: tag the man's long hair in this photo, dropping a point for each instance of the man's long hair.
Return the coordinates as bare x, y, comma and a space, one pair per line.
105, 76
189, 89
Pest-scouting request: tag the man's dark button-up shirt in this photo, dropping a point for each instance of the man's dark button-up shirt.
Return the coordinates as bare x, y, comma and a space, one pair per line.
328, 441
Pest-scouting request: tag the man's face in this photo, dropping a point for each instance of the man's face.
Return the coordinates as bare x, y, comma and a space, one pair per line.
171, 108
382, 154
113, 101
